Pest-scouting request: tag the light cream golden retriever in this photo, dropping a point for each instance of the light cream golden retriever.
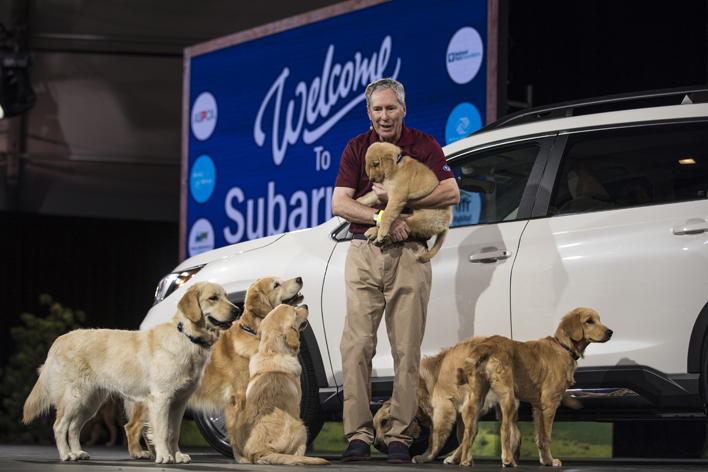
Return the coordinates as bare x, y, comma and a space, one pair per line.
269, 428
404, 178
160, 367
227, 376
537, 372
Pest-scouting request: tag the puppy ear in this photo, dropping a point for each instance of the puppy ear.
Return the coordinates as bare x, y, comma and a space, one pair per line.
189, 303
292, 337
572, 326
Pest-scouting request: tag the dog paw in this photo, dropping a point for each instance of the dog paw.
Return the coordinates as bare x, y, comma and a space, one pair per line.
372, 233
420, 460
510, 464
469, 463
557, 463
164, 459
70, 456
82, 456
182, 458
142, 455
450, 460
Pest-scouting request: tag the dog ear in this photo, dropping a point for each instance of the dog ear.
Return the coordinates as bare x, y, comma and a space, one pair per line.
189, 303
257, 301
572, 326
292, 337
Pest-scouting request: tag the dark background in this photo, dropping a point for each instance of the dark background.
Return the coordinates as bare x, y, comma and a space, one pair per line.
109, 263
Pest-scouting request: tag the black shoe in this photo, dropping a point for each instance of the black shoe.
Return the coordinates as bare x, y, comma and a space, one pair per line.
358, 450
398, 453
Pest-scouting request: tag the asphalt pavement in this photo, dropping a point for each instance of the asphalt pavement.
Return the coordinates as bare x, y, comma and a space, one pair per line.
46, 459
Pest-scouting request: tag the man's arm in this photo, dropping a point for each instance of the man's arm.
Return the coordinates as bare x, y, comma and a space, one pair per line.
344, 205
446, 194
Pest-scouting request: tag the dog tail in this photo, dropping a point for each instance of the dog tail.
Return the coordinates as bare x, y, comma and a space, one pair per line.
38, 402
477, 356
439, 240
287, 459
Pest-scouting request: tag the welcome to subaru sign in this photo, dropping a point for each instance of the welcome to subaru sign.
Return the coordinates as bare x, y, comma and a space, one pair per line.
268, 112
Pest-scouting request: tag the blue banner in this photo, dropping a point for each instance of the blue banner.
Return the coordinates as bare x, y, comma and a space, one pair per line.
269, 118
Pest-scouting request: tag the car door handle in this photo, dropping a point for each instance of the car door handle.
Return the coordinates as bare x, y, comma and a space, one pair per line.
487, 257
692, 226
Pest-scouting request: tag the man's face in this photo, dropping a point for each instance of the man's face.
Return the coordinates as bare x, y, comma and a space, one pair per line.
386, 114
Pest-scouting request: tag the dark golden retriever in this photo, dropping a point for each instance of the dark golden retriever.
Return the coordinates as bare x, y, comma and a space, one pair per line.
537, 372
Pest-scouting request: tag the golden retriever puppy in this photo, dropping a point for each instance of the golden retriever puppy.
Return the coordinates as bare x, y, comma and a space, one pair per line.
404, 179
226, 376
160, 367
537, 372
269, 429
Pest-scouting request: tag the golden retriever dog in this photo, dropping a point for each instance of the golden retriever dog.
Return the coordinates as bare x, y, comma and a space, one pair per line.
226, 376
160, 367
440, 399
537, 372
269, 429
404, 178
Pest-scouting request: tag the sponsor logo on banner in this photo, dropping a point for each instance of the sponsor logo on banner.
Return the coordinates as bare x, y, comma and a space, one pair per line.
201, 237
202, 179
204, 115
462, 121
464, 55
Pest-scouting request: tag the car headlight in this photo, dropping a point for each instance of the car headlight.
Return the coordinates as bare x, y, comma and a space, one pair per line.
173, 281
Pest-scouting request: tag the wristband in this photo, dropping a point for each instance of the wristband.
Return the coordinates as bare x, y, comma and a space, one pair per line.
377, 218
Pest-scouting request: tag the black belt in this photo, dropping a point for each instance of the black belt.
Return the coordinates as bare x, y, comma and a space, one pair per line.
410, 239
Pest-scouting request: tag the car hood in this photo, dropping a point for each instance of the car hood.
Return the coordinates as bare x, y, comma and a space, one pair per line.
227, 251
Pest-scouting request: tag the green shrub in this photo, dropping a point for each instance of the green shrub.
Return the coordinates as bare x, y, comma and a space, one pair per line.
33, 338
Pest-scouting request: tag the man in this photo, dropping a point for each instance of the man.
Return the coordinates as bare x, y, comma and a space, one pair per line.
385, 279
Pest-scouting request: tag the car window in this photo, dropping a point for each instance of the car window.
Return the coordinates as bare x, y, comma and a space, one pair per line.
492, 182
634, 166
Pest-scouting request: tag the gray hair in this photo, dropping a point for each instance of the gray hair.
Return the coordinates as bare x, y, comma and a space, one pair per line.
383, 84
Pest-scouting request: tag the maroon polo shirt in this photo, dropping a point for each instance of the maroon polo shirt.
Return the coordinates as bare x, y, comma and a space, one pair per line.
418, 145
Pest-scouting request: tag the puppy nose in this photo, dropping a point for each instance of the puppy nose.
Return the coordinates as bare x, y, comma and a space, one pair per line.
608, 333
298, 280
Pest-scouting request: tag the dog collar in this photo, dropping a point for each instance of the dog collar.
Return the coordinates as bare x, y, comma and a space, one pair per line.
572, 353
199, 341
247, 329
400, 156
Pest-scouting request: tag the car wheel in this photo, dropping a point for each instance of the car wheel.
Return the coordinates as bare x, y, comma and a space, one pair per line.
213, 427
420, 444
310, 409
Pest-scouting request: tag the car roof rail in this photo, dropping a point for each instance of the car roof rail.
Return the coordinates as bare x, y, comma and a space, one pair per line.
627, 101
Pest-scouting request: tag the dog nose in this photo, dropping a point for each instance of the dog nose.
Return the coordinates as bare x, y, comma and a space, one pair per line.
235, 312
380, 445
305, 307
608, 333
298, 280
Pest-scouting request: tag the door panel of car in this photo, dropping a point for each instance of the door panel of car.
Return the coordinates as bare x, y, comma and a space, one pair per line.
625, 234
472, 271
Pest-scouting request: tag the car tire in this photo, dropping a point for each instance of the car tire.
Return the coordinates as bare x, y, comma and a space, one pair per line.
420, 444
311, 413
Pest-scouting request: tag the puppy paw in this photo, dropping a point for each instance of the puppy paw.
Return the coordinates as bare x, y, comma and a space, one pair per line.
182, 458
372, 233
164, 459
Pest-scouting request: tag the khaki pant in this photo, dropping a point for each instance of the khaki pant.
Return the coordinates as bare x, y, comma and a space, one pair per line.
388, 279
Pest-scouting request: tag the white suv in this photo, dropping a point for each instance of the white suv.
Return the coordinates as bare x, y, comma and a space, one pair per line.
598, 203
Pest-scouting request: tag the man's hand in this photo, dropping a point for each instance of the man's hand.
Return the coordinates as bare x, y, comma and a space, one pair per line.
380, 192
399, 230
